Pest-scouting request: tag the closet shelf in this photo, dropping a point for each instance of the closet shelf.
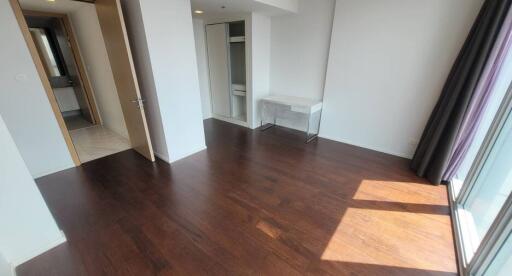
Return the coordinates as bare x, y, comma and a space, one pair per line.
238, 89
239, 93
238, 86
237, 39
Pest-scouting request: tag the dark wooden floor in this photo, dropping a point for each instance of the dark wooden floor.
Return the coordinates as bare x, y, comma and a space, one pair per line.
254, 203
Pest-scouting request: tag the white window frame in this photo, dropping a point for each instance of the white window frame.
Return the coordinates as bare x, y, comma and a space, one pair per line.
474, 257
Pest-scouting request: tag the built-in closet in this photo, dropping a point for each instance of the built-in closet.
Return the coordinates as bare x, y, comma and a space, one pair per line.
227, 69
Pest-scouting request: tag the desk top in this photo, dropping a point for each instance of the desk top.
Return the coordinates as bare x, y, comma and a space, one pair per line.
298, 104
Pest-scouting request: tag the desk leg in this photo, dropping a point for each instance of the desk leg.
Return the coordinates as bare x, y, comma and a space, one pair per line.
310, 137
267, 126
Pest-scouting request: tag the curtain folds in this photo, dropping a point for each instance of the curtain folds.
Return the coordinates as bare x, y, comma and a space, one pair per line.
455, 117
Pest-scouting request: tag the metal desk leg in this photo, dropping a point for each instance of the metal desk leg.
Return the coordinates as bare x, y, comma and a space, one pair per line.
309, 137
268, 125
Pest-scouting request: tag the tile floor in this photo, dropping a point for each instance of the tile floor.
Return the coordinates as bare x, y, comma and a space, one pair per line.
76, 122
96, 142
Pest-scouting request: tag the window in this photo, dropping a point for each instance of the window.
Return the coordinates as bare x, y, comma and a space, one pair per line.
483, 208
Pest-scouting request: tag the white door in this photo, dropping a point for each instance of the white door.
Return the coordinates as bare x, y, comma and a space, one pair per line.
217, 44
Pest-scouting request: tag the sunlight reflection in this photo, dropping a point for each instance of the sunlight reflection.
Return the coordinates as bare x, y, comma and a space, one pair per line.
404, 192
389, 238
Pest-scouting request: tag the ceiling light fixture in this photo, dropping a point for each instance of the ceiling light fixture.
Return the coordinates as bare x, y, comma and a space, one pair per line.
198, 11
50, 0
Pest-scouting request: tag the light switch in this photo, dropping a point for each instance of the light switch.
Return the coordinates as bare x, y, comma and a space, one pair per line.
21, 77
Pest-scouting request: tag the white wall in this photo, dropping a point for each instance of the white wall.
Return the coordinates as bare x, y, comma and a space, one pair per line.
6, 269
299, 58
388, 62
66, 99
28, 229
169, 39
24, 105
202, 67
259, 39
92, 47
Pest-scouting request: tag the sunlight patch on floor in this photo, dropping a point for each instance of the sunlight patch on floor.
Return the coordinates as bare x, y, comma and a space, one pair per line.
402, 192
392, 238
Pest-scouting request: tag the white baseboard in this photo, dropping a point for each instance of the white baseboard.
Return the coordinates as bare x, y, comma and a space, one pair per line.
6, 267
38, 251
230, 120
374, 148
192, 152
54, 170
164, 157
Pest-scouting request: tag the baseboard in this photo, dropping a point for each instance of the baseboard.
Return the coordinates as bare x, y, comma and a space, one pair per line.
201, 148
34, 253
45, 173
386, 151
6, 267
164, 157
230, 120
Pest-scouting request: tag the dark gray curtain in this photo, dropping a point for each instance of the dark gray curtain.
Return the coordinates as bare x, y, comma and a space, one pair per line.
442, 135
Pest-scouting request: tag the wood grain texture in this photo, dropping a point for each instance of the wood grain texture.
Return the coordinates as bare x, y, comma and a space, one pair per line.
15, 5
253, 203
119, 53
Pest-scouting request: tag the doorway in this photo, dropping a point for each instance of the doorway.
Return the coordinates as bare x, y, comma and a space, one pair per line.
96, 100
52, 40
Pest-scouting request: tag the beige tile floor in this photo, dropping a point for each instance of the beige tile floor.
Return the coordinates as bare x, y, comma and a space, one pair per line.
76, 122
96, 142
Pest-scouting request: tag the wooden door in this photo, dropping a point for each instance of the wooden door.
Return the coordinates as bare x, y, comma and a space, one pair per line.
216, 37
119, 54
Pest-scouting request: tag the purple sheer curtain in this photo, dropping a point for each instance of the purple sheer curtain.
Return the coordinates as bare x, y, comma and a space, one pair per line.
480, 98
455, 117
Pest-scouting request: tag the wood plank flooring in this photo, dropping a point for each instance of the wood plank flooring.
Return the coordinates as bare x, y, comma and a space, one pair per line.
253, 203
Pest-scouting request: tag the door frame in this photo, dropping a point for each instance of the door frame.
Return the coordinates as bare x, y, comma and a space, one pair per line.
20, 17
140, 142
77, 59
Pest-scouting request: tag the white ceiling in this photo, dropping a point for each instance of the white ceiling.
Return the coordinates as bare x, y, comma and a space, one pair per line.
214, 7
211, 8
59, 6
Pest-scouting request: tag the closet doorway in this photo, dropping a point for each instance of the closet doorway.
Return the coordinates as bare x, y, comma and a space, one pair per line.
95, 119
226, 50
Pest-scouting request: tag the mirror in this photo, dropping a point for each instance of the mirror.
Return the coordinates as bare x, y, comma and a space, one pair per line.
49, 57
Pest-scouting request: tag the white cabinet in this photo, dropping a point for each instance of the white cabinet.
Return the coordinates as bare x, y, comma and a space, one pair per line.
216, 37
227, 70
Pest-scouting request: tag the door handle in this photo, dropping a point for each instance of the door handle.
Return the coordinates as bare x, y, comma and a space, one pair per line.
139, 102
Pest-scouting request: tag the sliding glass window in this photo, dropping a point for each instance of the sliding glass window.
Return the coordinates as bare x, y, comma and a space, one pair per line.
483, 207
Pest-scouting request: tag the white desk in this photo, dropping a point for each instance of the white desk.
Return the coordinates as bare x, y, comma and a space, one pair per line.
312, 108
